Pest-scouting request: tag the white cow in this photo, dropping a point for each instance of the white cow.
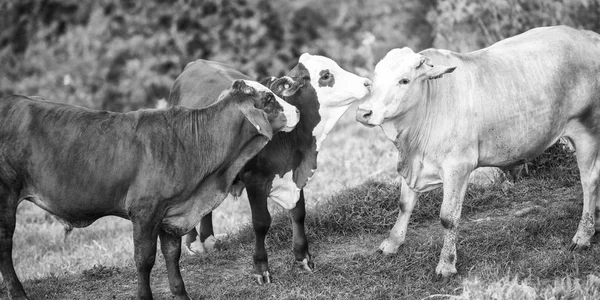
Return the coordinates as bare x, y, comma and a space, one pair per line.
499, 106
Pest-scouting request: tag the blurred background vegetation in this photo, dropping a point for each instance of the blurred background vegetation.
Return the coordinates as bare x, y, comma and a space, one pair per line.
124, 54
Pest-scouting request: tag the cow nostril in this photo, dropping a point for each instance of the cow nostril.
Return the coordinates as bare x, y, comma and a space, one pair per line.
367, 114
367, 84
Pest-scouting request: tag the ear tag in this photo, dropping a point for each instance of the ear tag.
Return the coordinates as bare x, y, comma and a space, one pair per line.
286, 86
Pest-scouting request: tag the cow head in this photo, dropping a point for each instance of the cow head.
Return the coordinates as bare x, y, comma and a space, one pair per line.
321, 85
266, 108
396, 75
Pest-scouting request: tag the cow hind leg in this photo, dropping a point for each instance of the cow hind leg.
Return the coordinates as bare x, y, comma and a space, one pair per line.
261, 222
588, 161
171, 248
300, 242
397, 236
8, 212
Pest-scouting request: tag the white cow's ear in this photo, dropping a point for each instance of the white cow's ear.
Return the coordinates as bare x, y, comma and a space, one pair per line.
437, 71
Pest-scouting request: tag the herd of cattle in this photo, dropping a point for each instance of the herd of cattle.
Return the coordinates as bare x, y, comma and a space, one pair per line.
167, 169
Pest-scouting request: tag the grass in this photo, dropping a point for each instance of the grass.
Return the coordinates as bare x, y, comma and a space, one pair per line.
512, 244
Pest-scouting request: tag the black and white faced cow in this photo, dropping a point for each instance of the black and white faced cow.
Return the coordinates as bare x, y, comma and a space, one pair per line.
449, 113
322, 91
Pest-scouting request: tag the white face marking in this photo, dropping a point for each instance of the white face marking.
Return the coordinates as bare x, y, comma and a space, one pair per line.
284, 191
335, 94
291, 112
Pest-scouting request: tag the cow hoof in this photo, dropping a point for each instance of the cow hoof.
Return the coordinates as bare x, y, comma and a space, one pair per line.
442, 279
307, 265
263, 278
574, 247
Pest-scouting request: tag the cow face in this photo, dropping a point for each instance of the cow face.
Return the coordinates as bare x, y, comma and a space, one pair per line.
280, 114
334, 89
396, 75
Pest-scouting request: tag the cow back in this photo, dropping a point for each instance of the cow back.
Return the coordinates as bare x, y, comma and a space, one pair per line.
201, 83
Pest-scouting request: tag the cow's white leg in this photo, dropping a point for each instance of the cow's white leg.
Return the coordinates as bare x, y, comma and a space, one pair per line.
589, 164
455, 185
408, 199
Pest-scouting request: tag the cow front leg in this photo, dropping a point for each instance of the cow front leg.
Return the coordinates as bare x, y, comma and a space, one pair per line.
261, 222
397, 236
455, 185
589, 169
144, 248
300, 242
194, 246
171, 248
8, 211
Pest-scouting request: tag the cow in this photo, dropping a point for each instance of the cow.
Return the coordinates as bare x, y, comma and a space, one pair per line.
449, 113
161, 169
322, 91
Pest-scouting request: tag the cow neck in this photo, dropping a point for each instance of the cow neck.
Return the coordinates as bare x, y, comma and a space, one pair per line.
307, 104
219, 136
425, 127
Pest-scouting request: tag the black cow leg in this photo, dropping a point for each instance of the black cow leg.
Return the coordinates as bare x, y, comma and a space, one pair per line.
206, 230
171, 248
261, 221
206, 227
8, 211
300, 242
144, 246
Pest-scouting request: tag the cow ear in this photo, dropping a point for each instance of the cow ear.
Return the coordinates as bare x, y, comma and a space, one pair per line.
285, 86
258, 119
240, 85
438, 71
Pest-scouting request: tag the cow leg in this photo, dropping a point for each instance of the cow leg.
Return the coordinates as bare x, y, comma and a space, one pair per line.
206, 230
261, 221
8, 212
300, 242
170, 246
455, 185
144, 244
589, 170
408, 199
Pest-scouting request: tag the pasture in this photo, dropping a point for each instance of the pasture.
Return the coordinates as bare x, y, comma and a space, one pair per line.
512, 245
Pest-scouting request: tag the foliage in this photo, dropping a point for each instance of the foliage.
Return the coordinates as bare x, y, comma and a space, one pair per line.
124, 55
465, 25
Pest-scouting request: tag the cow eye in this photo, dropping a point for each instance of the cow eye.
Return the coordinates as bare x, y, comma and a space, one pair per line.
404, 81
326, 76
270, 97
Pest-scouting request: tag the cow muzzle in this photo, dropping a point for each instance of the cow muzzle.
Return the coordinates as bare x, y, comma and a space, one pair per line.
364, 116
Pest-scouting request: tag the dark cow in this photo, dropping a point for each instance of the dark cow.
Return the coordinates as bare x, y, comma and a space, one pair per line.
449, 113
322, 91
161, 169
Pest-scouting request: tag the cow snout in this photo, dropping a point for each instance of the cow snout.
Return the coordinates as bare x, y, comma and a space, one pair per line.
363, 116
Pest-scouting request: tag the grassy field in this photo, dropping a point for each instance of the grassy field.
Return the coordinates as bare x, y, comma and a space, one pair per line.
512, 245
